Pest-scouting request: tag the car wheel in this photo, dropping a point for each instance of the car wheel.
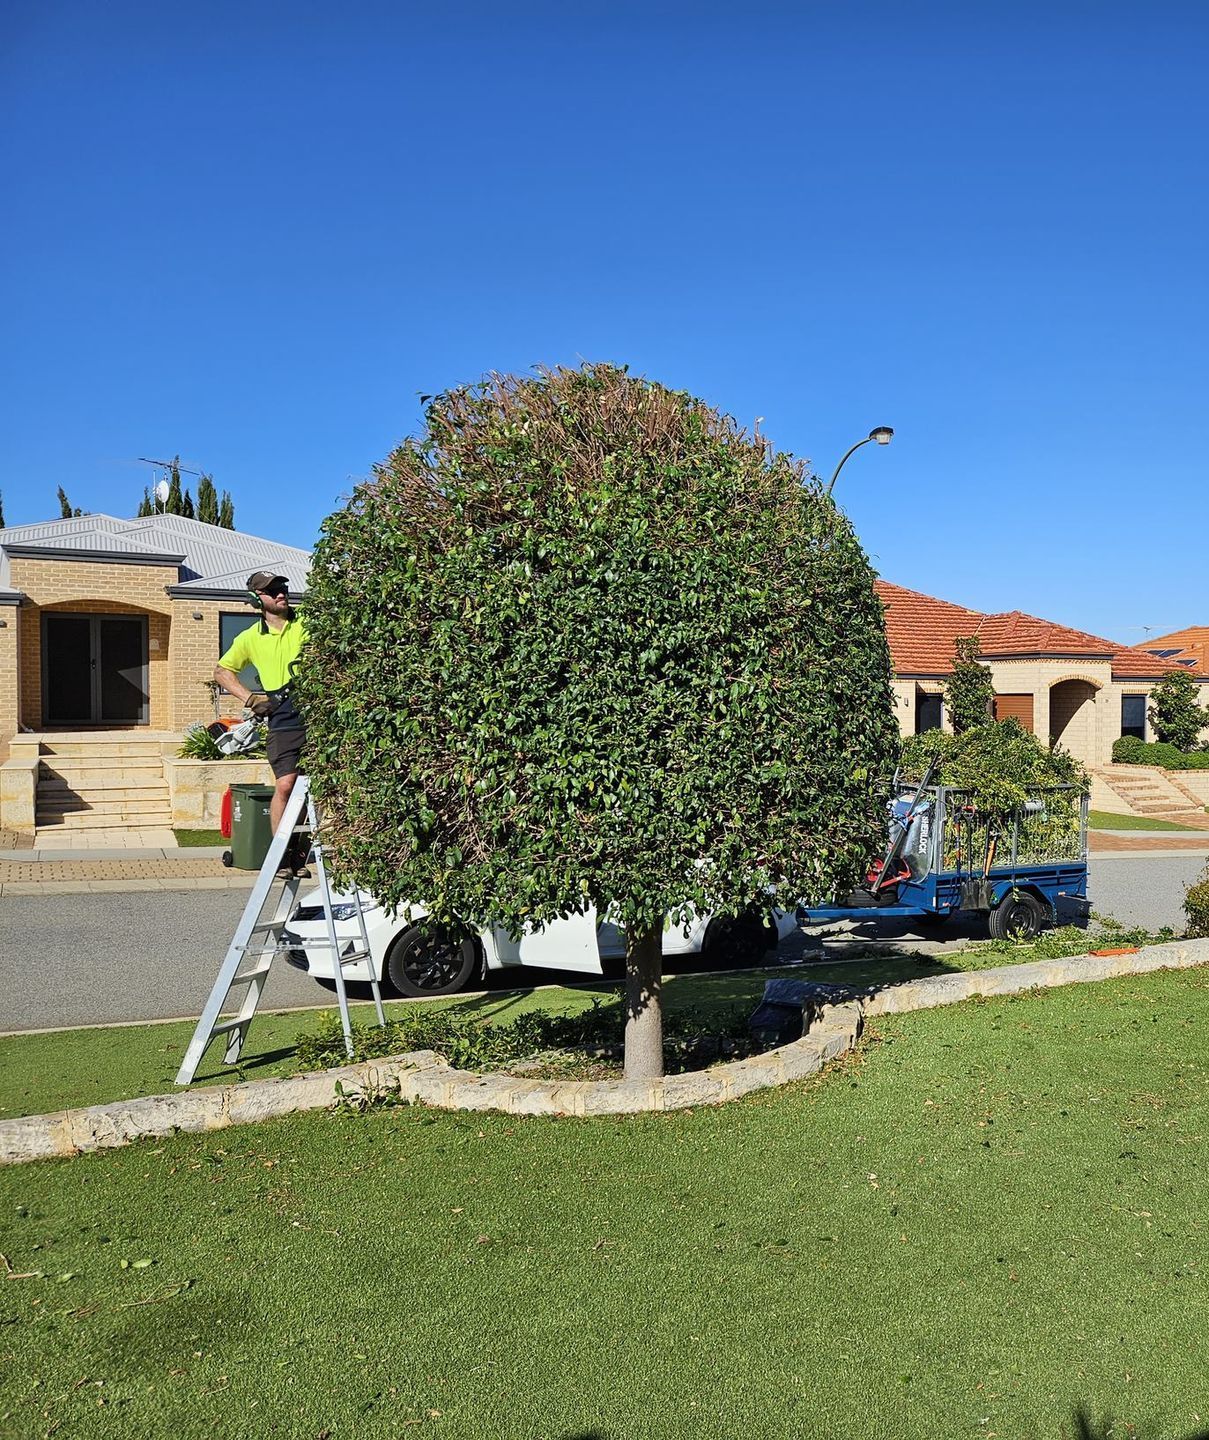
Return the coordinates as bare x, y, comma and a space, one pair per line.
734, 941
1017, 917
431, 960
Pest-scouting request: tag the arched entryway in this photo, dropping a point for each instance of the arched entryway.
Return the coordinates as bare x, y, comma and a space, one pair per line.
1072, 718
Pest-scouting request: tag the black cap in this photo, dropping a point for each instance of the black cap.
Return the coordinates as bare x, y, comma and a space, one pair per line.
265, 580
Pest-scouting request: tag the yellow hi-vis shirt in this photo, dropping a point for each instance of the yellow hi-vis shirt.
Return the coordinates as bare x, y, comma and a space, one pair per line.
272, 652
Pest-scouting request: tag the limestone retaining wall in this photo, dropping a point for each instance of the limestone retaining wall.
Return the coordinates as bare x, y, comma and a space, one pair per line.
196, 787
423, 1077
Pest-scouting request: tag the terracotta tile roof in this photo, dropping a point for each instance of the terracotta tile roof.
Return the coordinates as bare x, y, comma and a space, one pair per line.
922, 631
1190, 644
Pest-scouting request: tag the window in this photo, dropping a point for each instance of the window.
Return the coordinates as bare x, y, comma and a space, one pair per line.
1133, 715
228, 627
929, 710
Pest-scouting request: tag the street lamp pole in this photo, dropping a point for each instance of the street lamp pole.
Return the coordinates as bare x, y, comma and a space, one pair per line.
882, 434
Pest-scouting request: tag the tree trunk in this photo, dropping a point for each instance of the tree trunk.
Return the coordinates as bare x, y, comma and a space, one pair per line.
644, 1005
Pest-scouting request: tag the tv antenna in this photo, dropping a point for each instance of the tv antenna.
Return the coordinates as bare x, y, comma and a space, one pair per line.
161, 489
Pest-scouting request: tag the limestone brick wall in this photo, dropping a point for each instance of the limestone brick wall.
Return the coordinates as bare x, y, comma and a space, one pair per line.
193, 654
93, 588
904, 706
10, 674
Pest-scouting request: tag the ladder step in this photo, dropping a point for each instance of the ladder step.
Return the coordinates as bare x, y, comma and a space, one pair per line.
224, 1027
245, 975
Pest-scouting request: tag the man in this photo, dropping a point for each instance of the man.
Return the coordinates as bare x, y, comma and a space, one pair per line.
273, 647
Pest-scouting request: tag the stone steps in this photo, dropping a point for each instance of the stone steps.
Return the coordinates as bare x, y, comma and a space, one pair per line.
1144, 790
102, 787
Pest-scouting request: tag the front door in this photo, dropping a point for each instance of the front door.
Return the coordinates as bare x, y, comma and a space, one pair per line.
94, 670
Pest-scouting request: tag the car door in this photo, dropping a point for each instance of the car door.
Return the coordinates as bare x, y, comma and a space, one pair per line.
568, 944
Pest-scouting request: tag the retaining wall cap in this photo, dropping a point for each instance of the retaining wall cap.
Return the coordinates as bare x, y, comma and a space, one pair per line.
424, 1076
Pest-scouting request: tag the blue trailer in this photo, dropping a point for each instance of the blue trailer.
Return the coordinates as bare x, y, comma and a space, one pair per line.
948, 855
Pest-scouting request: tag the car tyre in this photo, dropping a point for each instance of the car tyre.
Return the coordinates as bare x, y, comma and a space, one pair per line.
1017, 917
733, 942
429, 960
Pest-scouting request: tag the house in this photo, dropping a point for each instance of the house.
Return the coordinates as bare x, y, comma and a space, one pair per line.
1069, 687
108, 623
1189, 648
109, 633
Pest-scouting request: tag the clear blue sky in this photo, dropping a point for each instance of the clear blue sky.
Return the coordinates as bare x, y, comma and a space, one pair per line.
254, 233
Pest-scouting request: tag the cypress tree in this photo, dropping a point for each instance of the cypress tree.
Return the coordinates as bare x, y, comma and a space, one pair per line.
207, 500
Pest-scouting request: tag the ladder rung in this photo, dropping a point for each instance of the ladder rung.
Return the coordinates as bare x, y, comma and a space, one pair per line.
225, 1026
250, 974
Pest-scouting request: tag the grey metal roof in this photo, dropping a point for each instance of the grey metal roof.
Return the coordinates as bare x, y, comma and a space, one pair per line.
210, 557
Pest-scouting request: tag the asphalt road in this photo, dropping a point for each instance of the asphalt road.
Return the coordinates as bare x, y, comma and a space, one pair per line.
148, 955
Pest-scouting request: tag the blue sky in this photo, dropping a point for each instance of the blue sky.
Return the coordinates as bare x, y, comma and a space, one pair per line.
253, 234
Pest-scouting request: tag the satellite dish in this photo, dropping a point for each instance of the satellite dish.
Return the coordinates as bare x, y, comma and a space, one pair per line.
161, 492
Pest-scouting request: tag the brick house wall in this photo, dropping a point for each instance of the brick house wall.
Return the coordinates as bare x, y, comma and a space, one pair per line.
94, 587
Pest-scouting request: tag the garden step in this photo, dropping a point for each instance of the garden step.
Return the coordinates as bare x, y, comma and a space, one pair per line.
107, 805
102, 780
90, 820
102, 763
86, 750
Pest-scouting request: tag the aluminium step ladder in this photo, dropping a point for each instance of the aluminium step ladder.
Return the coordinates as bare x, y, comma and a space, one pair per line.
257, 942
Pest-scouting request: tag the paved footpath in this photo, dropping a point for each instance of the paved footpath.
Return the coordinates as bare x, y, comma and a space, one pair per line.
31, 872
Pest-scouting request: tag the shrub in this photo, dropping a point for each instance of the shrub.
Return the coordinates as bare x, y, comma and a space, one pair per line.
1196, 906
1166, 757
1127, 749
1174, 712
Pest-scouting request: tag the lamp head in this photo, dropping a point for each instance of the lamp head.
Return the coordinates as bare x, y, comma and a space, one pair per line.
882, 434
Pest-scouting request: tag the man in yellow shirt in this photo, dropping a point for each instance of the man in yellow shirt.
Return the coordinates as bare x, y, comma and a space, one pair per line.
273, 647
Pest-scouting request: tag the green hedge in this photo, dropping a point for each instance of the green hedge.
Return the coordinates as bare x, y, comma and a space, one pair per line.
1129, 750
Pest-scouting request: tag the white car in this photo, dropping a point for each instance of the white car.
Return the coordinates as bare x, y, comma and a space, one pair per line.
416, 958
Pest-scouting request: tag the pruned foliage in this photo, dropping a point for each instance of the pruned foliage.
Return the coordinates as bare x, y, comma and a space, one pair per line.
1001, 763
583, 640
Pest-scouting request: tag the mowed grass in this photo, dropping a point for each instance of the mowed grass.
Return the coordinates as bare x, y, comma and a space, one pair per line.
990, 1218
195, 838
1106, 820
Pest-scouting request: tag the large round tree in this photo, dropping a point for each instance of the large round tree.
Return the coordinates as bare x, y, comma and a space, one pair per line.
584, 642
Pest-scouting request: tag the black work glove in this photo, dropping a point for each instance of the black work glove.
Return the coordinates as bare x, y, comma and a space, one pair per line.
260, 705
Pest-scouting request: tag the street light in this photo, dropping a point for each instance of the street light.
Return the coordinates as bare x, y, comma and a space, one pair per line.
882, 434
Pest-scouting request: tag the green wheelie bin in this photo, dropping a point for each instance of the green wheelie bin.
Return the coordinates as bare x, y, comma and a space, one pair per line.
251, 828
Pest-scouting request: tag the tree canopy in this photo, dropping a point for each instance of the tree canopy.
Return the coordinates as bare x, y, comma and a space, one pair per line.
970, 689
1174, 712
583, 641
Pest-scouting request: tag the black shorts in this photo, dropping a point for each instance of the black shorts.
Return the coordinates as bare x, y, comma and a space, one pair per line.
285, 750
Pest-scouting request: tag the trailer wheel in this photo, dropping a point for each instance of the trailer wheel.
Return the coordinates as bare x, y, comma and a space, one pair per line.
430, 960
1017, 917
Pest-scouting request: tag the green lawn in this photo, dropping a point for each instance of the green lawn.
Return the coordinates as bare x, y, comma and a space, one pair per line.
990, 1218
189, 838
1105, 820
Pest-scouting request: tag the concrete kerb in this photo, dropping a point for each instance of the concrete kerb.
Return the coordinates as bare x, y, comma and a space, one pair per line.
422, 1077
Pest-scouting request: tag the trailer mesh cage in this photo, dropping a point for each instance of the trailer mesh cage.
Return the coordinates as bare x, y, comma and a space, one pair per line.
951, 831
